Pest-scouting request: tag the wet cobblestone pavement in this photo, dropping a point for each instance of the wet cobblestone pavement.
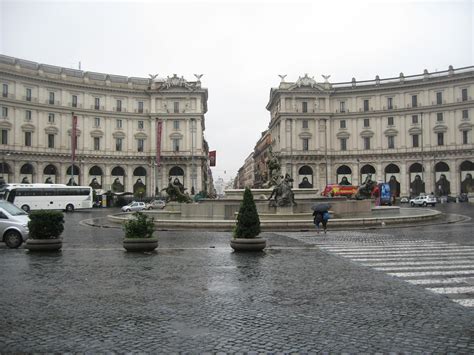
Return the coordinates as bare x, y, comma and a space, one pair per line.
303, 294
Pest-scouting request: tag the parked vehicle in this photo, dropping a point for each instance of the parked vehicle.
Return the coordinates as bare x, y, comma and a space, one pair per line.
134, 206
339, 190
13, 224
424, 201
155, 204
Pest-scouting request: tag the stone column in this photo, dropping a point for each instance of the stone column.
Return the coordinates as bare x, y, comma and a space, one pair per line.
404, 179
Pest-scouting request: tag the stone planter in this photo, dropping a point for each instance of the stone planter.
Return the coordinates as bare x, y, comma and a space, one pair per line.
140, 244
44, 244
248, 244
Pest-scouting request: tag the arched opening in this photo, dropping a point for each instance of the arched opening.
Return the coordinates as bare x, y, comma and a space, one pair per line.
118, 179
74, 179
50, 172
95, 177
5, 171
26, 173
392, 176
417, 185
177, 173
139, 186
344, 175
367, 171
442, 177
305, 177
467, 171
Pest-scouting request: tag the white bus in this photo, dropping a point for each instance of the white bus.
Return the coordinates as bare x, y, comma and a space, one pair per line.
48, 196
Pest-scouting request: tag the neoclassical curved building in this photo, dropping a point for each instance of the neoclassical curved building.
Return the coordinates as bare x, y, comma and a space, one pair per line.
415, 129
132, 133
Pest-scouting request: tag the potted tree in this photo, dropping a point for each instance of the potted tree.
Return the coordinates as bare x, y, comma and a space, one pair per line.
139, 233
45, 230
247, 228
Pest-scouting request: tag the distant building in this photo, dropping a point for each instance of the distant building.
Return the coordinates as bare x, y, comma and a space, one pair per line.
414, 129
118, 121
245, 175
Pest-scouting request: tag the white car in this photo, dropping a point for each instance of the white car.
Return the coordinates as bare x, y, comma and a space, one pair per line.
423, 201
13, 224
156, 204
134, 206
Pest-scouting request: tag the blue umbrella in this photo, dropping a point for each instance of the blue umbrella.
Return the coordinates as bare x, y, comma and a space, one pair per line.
321, 207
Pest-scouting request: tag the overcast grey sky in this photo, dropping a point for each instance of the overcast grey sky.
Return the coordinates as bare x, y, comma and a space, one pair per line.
241, 47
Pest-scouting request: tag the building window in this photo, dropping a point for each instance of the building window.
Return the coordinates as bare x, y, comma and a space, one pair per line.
4, 136
28, 94
465, 137
415, 140
140, 124
366, 105
50, 140
342, 106
343, 143
51, 117
4, 112
439, 117
305, 107
140, 106
28, 139
176, 124
391, 142
342, 124
119, 105
51, 98
305, 123
464, 94
97, 122
118, 144
366, 143
414, 100
176, 107
366, 122
440, 138
465, 114
389, 103
96, 143
28, 115
439, 98
5, 90
140, 144
175, 145
97, 103
74, 101
305, 144
414, 119
390, 121
119, 123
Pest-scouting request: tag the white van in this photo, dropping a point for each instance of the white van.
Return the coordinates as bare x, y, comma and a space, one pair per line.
13, 224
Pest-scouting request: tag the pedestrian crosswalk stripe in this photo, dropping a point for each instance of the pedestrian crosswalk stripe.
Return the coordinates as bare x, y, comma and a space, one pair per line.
421, 267
431, 273
411, 258
441, 281
418, 263
451, 290
438, 253
388, 249
465, 302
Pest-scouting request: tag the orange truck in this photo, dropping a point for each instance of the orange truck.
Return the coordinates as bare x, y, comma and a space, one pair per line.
339, 190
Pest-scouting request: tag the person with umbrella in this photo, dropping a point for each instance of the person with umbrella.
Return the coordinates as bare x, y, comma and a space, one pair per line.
321, 215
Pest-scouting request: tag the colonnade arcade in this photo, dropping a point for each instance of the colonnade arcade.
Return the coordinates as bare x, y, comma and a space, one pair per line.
131, 178
439, 177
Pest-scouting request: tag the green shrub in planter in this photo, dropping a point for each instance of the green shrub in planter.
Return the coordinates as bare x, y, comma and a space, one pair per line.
139, 226
45, 224
248, 221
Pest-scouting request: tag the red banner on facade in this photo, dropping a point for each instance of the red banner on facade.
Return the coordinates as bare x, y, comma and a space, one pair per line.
158, 141
212, 158
73, 137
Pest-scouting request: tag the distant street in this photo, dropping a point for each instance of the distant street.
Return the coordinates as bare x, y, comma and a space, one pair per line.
403, 289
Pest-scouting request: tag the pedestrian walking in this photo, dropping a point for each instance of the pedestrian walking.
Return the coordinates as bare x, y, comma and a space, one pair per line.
321, 217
